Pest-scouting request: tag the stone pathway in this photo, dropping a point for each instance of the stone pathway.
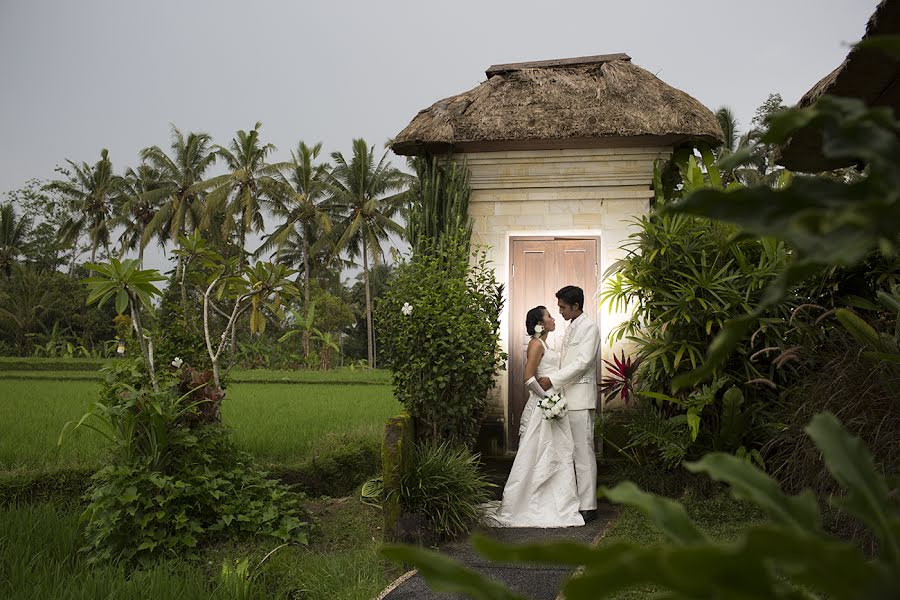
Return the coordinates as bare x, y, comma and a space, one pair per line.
540, 582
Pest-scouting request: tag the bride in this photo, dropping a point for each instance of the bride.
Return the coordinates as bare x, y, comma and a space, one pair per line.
541, 489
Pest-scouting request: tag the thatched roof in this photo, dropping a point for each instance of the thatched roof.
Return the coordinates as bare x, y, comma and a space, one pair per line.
567, 103
869, 75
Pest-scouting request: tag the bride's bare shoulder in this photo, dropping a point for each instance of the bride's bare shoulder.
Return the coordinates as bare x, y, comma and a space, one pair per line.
535, 346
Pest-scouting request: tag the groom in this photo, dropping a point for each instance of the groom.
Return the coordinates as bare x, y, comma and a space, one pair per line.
577, 376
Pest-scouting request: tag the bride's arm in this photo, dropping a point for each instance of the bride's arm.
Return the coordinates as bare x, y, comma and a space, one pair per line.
533, 358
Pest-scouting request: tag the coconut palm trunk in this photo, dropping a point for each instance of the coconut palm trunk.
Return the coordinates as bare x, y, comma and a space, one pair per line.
370, 337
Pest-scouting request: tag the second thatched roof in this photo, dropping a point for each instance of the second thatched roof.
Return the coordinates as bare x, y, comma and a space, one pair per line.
867, 74
561, 103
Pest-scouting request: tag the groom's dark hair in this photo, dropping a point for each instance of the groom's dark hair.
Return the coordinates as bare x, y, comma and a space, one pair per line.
572, 295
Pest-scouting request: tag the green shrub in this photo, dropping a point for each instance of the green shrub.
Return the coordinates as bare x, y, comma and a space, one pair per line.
176, 479
211, 491
340, 465
685, 277
439, 323
445, 486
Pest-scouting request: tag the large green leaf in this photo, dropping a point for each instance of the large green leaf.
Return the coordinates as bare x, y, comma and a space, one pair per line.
668, 515
828, 565
444, 574
702, 571
861, 331
799, 513
851, 464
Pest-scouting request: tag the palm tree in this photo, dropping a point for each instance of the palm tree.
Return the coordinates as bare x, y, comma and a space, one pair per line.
299, 200
13, 236
237, 196
729, 124
142, 196
359, 191
91, 192
180, 176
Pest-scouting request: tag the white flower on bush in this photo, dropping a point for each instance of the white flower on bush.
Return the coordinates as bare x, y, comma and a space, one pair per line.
177, 363
538, 330
407, 309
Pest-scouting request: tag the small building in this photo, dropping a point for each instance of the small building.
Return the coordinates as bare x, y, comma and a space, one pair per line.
561, 156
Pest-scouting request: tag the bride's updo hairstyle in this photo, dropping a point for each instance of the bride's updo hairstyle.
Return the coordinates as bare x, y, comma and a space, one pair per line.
534, 316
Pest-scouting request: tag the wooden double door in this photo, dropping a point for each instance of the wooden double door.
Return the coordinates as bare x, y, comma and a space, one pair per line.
539, 267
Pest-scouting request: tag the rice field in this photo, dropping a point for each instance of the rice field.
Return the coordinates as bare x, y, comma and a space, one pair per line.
278, 424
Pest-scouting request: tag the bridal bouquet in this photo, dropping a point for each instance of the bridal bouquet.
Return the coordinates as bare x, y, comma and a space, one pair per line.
553, 406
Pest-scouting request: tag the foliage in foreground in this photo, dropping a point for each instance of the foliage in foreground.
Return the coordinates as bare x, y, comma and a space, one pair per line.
40, 560
440, 320
789, 556
176, 479
685, 276
445, 486
825, 222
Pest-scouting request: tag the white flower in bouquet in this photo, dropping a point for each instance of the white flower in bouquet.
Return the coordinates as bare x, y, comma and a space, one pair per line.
538, 330
407, 309
553, 407
177, 363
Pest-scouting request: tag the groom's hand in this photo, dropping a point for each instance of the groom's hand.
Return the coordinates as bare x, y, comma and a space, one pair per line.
544, 383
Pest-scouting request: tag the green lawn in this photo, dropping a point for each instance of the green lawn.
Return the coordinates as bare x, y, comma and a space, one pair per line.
39, 559
277, 423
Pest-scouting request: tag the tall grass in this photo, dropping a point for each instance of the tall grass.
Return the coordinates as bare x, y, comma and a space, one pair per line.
278, 424
39, 560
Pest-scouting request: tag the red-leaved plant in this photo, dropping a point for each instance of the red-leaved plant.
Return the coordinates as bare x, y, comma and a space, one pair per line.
620, 378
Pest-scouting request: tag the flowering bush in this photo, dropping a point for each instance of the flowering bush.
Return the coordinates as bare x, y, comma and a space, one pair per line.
439, 327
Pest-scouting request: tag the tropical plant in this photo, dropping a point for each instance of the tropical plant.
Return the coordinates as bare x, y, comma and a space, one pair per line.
25, 303
141, 196
840, 223
787, 556
236, 197
132, 288
438, 205
91, 191
620, 379
176, 479
445, 486
14, 230
360, 191
251, 289
180, 186
300, 201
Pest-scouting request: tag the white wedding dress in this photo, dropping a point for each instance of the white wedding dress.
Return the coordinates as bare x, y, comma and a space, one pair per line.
541, 489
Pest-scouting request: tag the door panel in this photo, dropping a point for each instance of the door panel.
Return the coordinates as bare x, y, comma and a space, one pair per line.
539, 267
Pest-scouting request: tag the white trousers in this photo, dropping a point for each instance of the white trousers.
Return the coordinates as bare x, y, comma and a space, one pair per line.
582, 424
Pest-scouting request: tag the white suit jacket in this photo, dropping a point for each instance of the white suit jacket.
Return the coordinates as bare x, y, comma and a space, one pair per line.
577, 375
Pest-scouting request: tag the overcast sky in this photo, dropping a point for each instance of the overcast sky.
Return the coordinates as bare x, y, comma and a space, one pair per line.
78, 76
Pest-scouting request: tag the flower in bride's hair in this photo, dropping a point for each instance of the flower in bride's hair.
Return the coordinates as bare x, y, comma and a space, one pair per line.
407, 309
538, 330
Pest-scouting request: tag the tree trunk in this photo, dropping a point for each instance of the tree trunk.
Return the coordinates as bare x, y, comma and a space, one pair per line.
180, 276
306, 293
139, 330
140, 255
370, 338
